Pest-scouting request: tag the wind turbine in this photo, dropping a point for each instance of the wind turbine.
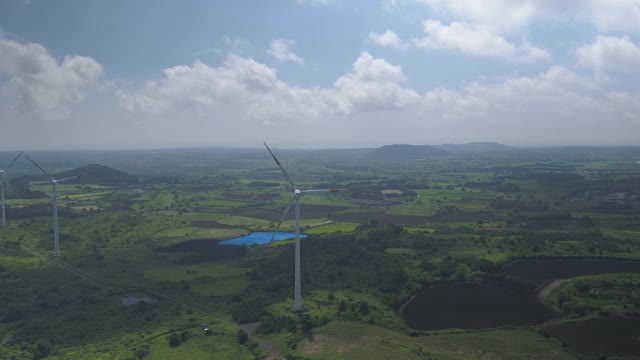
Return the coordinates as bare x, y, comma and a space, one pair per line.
56, 237
297, 306
3, 180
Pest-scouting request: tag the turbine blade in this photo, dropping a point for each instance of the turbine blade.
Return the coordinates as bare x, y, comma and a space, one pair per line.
284, 215
38, 166
281, 168
67, 178
323, 191
14, 160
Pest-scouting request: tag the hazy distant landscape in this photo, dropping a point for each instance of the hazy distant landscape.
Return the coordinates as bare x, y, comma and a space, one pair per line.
449, 254
320, 180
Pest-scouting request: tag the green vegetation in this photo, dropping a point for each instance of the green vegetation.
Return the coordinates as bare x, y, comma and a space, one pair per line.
350, 340
441, 218
598, 295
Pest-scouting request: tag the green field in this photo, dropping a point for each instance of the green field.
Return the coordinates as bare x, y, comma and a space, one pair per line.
455, 218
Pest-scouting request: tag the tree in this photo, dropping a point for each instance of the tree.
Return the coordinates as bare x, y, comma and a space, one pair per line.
363, 307
175, 340
242, 337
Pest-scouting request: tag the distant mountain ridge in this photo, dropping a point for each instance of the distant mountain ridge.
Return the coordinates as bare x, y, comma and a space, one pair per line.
475, 146
403, 151
89, 174
98, 174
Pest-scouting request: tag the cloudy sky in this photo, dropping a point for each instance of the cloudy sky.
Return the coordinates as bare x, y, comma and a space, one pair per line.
317, 73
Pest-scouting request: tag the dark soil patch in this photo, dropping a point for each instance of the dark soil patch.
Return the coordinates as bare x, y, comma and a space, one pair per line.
239, 197
306, 212
541, 271
383, 218
473, 306
464, 216
318, 211
211, 224
608, 336
256, 212
265, 197
205, 250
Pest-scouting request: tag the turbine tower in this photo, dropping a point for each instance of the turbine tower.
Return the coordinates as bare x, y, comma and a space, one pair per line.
3, 180
56, 237
297, 306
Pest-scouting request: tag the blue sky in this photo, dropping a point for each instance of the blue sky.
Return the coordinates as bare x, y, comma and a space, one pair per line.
318, 73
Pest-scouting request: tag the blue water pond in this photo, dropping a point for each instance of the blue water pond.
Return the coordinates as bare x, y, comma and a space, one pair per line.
262, 237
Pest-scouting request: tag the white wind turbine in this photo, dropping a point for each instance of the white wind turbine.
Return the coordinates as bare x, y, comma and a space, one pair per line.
3, 180
56, 237
297, 307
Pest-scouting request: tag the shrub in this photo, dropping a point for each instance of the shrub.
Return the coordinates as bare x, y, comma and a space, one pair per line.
242, 337
175, 340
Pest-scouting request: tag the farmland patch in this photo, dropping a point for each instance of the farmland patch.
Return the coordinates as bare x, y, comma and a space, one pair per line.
607, 336
211, 224
204, 250
473, 306
383, 218
541, 271
307, 211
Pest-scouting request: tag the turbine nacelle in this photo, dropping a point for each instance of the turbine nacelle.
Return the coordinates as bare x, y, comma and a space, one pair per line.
295, 200
62, 180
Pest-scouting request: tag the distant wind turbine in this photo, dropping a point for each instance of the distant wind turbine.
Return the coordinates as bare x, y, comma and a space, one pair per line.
297, 307
56, 237
3, 180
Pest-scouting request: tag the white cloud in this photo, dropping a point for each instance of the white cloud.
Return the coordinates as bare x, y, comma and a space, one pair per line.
37, 83
367, 68
614, 15
241, 101
610, 54
370, 104
626, 104
373, 84
280, 50
507, 15
556, 106
253, 90
388, 39
468, 39
497, 15
201, 85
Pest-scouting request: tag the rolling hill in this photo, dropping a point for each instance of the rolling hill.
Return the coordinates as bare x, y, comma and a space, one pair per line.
475, 147
404, 151
87, 174
98, 174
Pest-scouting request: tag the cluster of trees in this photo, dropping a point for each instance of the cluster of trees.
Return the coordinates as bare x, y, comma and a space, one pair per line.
346, 309
460, 268
177, 338
518, 204
21, 189
346, 261
261, 184
497, 185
